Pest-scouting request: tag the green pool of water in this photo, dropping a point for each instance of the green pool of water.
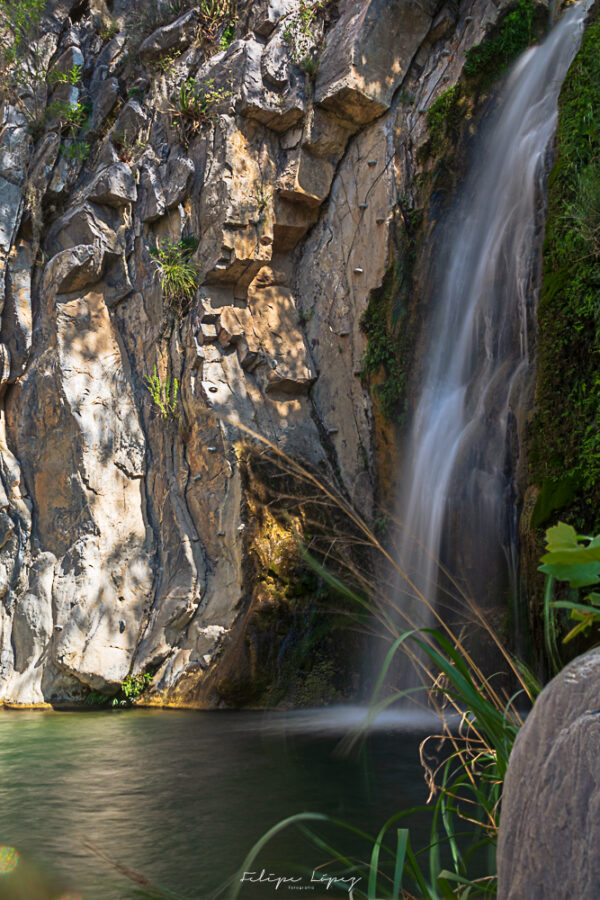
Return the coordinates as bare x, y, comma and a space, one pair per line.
182, 796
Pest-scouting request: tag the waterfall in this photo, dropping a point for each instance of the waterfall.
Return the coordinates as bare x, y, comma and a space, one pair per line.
457, 495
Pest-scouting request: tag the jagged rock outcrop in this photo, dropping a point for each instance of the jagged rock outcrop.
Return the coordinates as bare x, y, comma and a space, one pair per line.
123, 542
551, 794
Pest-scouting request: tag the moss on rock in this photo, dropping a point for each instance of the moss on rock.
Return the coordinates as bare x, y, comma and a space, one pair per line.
565, 451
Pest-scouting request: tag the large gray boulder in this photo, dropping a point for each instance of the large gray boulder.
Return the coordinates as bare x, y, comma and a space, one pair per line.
548, 846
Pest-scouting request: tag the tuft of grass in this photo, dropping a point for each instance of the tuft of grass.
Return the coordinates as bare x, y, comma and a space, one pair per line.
178, 275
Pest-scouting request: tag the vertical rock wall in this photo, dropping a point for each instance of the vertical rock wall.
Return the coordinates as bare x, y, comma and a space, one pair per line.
123, 537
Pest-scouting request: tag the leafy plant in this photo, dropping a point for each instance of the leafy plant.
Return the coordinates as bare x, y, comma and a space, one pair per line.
300, 32
129, 693
126, 147
70, 115
574, 558
22, 61
263, 198
72, 76
227, 37
196, 105
164, 393
108, 30
178, 274
134, 686
76, 150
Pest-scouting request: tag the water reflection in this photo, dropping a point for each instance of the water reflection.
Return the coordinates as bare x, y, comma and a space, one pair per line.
182, 796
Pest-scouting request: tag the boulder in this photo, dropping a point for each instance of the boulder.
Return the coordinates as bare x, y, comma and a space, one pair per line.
550, 827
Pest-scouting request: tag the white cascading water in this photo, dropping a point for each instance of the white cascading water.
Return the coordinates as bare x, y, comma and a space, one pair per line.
457, 494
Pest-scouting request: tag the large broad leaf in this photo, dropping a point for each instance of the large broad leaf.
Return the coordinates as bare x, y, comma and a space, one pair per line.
561, 537
580, 554
580, 575
564, 547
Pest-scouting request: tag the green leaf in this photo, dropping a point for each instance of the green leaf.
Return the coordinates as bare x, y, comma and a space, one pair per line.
583, 575
561, 537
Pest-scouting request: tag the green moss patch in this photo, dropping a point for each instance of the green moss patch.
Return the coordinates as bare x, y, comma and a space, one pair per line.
566, 430
516, 30
386, 323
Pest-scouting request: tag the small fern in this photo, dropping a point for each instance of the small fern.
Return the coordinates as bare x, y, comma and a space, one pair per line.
165, 394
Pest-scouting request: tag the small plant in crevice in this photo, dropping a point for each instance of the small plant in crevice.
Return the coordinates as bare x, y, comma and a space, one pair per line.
164, 393
129, 693
70, 116
108, 30
263, 198
76, 150
196, 105
178, 274
301, 33
127, 148
72, 76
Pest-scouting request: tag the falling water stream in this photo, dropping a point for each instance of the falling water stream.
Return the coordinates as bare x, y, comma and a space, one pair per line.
457, 498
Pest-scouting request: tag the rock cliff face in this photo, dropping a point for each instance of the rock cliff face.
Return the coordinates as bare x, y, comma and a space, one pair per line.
278, 160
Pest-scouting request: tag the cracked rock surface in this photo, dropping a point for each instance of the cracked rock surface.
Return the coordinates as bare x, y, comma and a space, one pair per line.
122, 533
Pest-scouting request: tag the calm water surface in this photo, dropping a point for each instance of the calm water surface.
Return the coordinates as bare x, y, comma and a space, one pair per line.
182, 796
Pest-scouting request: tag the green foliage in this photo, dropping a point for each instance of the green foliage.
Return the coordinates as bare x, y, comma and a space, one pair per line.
301, 35
164, 393
566, 431
129, 693
227, 37
21, 54
134, 686
575, 559
443, 119
178, 274
72, 76
76, 150
70, 116
514, 34
197, 104
108, 30
384, 362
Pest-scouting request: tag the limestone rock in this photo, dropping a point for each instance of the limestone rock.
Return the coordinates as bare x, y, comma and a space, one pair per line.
551, 795
114, 187
73, 269
368, 55
174, 36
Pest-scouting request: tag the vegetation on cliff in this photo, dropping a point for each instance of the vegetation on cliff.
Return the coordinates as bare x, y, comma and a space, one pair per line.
565, 455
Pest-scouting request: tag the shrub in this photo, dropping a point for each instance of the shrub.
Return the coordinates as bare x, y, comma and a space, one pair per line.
21, 54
